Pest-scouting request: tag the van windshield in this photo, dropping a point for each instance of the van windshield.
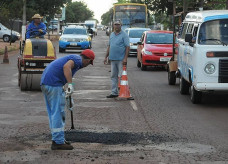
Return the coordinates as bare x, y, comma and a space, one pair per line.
214, 32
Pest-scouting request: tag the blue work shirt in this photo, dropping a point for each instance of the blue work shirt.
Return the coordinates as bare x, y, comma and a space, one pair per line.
118, 43
32, 30
53, 74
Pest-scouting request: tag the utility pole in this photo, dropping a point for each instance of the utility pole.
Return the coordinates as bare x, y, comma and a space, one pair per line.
201, 5
174, 28
185, 7
24, 20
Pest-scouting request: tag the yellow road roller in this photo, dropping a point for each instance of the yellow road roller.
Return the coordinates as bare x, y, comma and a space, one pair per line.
35, 55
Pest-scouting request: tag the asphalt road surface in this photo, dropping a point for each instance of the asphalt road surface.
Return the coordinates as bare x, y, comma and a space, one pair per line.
159, 126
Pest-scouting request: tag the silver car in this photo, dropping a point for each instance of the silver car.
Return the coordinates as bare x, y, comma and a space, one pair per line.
134, 37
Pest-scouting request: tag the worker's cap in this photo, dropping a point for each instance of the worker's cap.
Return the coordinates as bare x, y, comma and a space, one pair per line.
117, 22
89, 54
37, 16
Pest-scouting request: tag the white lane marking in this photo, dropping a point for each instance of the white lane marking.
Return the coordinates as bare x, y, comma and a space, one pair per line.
134, 106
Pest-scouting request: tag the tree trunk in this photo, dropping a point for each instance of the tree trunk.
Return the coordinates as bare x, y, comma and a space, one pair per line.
226, 4
185, 7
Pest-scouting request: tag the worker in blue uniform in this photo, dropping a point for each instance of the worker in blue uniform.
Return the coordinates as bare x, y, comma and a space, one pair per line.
55, 76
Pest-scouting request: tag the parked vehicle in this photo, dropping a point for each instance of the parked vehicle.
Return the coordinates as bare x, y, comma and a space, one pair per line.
154, 48
74, 37
134, 36
5, 34
203, 53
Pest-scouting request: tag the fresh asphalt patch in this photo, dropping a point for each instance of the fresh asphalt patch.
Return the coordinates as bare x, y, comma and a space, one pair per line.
114, 138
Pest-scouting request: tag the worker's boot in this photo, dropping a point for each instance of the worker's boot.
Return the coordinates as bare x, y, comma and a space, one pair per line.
65, 146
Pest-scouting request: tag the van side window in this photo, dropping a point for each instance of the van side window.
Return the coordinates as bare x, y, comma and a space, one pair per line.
190, 27
183, 31
195, 30
180, 30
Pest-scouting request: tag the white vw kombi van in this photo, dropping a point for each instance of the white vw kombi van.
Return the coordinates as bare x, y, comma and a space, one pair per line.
203, 53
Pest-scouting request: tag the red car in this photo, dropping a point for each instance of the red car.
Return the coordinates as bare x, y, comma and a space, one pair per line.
155, 48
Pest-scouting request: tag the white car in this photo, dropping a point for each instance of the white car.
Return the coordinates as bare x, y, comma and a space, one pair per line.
5, 34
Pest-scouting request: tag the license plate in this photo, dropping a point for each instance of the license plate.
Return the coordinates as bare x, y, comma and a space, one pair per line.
164, 59
73, 44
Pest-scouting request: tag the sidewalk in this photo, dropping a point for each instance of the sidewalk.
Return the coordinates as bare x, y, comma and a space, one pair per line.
14, 46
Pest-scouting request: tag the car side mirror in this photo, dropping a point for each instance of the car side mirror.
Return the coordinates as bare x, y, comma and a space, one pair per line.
188, 38
139, 43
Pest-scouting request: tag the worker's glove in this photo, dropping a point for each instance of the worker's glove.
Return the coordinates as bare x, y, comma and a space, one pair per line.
70, 89
69, 103
41, 31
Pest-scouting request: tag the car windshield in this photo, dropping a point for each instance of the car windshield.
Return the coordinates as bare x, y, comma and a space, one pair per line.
75, 31
89, 25
214, 32
136, 33
159, 38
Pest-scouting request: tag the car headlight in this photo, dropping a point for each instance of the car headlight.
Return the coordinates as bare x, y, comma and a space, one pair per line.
63, 39
147, 52
46, 64
83, 40
131, 44
209, 68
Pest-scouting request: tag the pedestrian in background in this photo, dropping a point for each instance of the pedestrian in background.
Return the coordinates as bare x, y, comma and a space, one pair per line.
117, 53
55, 76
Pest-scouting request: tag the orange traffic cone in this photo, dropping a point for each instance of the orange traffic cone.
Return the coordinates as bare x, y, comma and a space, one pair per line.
124, 88
5, 58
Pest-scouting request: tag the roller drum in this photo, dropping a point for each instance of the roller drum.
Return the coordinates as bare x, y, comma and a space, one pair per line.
30, 82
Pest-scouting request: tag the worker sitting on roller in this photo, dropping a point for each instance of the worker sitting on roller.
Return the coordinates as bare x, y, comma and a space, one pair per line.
36, 27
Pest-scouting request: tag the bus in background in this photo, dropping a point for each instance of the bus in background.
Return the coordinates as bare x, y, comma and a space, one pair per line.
130, 14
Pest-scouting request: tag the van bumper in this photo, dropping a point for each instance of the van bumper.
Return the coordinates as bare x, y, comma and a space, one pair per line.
211, 86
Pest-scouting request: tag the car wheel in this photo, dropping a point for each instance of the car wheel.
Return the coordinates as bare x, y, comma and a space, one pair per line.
6, 38
184, 86
196, 96
171, 78
61, 49
138, 63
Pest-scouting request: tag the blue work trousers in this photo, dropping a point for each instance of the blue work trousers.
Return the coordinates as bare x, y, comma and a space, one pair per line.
116, 71
55, 102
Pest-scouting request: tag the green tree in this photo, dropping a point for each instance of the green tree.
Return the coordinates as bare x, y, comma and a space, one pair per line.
106, 17
78, 12
12, 9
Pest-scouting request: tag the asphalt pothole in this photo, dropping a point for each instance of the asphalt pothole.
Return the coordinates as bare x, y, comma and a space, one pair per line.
124, 141
113, 138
